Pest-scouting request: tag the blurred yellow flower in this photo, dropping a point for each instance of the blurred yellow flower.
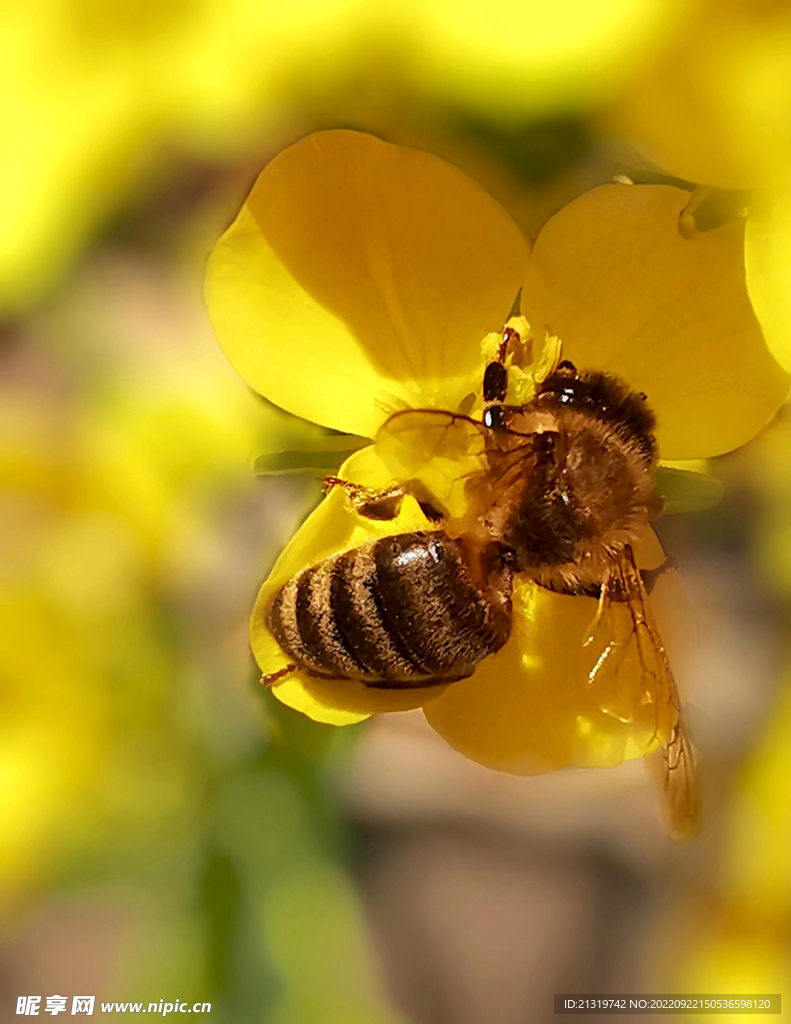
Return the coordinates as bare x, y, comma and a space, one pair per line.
112, 509
359, 271
100, 96
97, 96
712, 105
737, 940
510, 59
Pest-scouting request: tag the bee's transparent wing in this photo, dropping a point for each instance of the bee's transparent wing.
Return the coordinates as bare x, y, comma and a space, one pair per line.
670, 762
671, 768
443, 452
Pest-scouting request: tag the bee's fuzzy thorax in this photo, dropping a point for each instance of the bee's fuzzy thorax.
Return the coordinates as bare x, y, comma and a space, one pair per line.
585, 490
607, 398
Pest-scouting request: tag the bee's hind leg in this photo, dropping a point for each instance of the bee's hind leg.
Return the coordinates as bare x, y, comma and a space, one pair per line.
269, 679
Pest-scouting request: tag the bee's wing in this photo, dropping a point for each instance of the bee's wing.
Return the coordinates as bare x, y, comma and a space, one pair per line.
441, 450
671, 765
672, 770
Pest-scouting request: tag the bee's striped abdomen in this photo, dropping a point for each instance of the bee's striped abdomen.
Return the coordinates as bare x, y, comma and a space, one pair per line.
397, 611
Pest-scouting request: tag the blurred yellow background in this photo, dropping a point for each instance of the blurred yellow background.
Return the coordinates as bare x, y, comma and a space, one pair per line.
166, 829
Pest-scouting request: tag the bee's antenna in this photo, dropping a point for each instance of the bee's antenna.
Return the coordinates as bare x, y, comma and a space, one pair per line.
509, 334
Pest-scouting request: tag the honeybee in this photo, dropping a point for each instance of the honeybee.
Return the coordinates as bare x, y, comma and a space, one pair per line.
556, 491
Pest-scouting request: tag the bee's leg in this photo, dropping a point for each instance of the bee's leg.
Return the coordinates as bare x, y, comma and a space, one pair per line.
269, 679
650, 576
566, 366
430, 511
604, 597
367, 501
386, 503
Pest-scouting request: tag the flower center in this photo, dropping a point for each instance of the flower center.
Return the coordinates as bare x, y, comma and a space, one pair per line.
528, 358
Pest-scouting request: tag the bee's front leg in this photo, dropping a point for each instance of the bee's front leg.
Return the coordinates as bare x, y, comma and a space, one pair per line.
385, 503
368, 501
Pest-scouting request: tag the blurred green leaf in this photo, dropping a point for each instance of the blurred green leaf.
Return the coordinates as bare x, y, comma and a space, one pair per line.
316, 935
683, 490
314, 457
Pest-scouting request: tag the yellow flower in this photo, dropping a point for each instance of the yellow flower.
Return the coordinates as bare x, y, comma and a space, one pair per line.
712, 107
767, 257
360, 274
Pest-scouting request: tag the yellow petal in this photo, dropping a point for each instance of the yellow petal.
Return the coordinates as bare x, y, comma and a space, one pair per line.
612, 276
530, 708
358, 269
331, 529
767, 257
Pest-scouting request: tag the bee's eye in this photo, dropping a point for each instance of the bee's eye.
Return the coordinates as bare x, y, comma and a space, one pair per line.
494, 417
